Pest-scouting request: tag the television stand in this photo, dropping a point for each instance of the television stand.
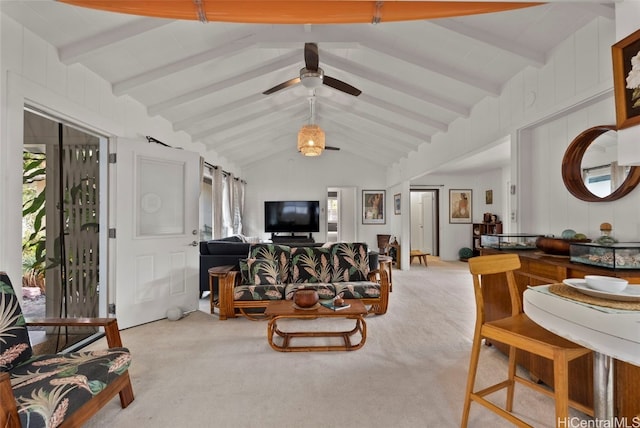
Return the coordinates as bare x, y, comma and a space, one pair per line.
292, 239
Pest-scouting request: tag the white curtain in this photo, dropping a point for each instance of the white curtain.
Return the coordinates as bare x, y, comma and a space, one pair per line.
227, 203
202, 168
217, 197
206, 201
237, 207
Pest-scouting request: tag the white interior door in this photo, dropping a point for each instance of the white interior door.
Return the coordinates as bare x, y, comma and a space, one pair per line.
424, 223
155, 205
428, 223
417, 221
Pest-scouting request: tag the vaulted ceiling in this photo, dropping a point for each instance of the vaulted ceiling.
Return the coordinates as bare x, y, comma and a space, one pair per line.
208, 79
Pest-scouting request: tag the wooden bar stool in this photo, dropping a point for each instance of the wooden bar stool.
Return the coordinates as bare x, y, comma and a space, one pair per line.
518, 332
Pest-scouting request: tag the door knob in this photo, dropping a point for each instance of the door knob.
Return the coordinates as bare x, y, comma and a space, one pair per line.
194, 244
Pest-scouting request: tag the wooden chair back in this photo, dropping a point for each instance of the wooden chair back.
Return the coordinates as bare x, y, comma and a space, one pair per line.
383, 243
493, 265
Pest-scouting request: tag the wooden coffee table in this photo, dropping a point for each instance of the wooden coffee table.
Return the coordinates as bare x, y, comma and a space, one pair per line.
283, 309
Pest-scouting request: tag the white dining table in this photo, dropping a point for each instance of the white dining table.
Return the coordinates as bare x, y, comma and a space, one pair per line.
610, 333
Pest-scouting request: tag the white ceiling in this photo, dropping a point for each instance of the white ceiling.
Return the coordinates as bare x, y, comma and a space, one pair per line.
207, 79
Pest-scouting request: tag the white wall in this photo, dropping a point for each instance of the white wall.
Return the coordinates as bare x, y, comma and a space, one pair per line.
576, 74
551, 208
32, 74
578, 69
455, 236
544, 104
296, 177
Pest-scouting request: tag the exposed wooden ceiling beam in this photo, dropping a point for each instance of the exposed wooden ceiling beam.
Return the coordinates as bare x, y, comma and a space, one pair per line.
189, 121
242, 120
371, 39
394, 83
257, 129
74, 52
423, 138
411, 114
236, 42
531, 56
278, 63
374, 132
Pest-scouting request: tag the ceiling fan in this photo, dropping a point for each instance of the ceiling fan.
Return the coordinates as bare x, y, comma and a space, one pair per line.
312, 76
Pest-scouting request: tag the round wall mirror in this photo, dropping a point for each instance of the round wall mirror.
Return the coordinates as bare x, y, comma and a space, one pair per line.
590, 170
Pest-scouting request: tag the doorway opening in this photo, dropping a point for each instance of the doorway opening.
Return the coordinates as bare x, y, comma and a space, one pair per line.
333, 215
206, 207
61, 224
341, 214
425, 221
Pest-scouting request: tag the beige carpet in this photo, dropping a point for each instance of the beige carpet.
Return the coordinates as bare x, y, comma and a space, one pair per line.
203, 372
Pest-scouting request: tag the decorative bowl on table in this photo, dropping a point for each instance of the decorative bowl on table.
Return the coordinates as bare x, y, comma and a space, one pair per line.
306, 298
606, 283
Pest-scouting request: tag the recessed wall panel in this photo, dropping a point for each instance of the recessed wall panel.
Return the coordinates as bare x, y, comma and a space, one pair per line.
159, 196
178, 283
144, 280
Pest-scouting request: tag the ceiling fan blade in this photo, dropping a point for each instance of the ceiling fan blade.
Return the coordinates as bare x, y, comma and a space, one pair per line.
341, 86
311, 56
331, 148
283, 85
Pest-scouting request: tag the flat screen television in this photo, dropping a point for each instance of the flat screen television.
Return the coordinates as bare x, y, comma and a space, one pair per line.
291, 216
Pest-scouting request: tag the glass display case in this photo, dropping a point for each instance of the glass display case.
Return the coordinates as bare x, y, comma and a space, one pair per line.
509, 241
621, 255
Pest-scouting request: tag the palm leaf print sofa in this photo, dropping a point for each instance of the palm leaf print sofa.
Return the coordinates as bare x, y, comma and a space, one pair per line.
58, 390
275, 272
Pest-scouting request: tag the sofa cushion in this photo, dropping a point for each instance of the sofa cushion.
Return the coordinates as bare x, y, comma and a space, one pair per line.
310, 264
258, 292
14, 337
233, 238
259, 272
277, 253
325, 290
350, 261
357, 289
49, 388
225, 248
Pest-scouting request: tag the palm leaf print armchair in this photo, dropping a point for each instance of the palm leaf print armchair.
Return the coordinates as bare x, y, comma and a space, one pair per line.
57, 390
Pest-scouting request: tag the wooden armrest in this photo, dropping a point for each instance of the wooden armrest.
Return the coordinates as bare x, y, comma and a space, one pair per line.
110, 326
8, 409
74, 322
225, 294
383, 280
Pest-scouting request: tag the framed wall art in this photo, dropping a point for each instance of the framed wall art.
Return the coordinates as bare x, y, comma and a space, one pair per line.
373, 203
625, 55
396, 204
488, 197
460, 205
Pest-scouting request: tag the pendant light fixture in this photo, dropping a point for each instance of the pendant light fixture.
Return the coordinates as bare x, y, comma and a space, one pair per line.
311, 137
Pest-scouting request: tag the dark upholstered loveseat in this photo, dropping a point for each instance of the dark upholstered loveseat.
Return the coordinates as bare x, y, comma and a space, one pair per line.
275, 272
220, 252
56, 390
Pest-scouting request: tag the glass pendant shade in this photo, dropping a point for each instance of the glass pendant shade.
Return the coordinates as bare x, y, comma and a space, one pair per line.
311, 140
